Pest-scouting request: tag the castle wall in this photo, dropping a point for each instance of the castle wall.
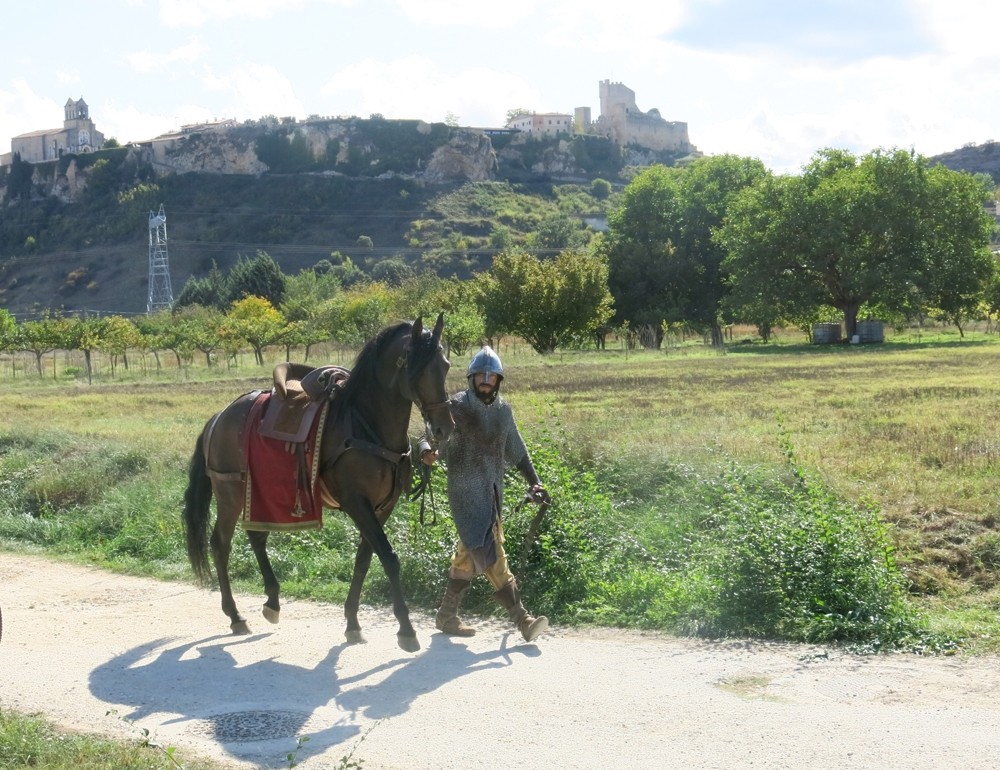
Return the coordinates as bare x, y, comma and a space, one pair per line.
623, 121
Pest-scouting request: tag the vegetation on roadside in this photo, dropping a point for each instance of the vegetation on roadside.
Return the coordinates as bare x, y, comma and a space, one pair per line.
30, 741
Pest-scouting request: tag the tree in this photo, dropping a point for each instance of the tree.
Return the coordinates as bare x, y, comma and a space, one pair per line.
43, 336
255, 320
426, 295
365, 312
663, 263
259, 276
305, 306
559, 232
115, 336
8, 330
391, 271
209, 291
600, 189
201, 328
548, 303
345, 270
84, 334
883, 229
961, 266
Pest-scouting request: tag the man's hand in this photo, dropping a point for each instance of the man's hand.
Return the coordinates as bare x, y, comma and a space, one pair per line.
429, 456
539, 495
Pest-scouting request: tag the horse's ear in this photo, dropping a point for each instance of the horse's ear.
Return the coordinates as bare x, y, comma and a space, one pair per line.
418, 329
438, 328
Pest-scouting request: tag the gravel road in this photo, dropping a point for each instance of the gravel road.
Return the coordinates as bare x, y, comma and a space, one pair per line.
80, 642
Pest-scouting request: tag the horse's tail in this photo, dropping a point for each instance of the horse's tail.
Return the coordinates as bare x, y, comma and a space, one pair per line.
197, 499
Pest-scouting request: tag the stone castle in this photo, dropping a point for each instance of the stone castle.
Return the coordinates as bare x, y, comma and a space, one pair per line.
620, 120
623, 121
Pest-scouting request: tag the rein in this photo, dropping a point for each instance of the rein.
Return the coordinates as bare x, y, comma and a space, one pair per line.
421, 490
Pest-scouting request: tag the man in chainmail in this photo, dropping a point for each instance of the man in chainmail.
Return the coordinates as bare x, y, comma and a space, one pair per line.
485, 441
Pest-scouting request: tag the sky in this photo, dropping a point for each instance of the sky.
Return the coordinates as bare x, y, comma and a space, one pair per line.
777, 80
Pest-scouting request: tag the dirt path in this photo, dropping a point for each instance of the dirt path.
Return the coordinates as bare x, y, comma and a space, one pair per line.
78, 643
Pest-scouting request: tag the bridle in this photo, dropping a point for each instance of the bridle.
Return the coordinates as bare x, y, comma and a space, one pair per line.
403, 363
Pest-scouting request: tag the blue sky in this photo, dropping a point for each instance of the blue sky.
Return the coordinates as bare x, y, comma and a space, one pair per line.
773, 79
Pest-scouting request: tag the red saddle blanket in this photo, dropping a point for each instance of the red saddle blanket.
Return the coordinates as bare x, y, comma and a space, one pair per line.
282, 480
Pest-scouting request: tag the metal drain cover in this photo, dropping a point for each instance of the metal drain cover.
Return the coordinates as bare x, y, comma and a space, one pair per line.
247, 726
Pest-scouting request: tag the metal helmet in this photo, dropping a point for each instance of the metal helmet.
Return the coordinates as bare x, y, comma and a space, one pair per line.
486, 360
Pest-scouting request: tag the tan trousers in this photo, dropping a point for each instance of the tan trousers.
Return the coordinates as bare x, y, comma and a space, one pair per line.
499, 574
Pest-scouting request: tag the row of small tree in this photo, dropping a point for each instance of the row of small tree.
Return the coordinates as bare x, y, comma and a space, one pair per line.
549, 303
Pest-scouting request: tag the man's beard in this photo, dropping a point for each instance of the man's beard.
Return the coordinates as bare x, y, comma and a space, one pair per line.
487, 398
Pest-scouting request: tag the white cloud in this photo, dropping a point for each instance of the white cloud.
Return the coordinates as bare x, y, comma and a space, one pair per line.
68, 77
22, 110
194, 13
414, 87
961, 27
145, 62
253, 91
128, 124
437, 13
632, 28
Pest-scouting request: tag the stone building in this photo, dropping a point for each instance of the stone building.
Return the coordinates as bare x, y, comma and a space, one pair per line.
77, 135
620, 120
541, 123
623, 121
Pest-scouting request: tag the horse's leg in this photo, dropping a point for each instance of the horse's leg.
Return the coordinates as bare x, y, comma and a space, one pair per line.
228, 505
362, 561
272, 607
371, 530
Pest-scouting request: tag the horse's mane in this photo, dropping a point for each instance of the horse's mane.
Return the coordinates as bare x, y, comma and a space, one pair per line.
365, 367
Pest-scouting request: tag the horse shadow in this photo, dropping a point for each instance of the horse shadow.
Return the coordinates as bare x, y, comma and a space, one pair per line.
161, 677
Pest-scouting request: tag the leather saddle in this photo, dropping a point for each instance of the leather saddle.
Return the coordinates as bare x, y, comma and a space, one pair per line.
298, 393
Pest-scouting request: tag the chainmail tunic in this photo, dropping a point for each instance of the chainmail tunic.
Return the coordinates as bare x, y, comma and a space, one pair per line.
484, 443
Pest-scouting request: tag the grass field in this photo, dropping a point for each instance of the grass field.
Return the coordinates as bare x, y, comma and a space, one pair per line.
906, 428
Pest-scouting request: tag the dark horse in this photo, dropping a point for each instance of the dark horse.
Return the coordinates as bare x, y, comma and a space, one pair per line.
403, 365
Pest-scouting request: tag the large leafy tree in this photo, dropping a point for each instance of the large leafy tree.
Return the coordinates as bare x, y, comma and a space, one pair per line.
258, 276
884, 229
549, 303
664, 263
207, 291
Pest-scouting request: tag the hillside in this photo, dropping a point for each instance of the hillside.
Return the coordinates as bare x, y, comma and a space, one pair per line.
74, 232
976, 159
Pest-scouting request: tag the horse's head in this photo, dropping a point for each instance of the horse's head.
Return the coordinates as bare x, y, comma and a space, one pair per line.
426, 369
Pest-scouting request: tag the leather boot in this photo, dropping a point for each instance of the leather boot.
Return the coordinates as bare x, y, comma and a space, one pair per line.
529, 626
447, 619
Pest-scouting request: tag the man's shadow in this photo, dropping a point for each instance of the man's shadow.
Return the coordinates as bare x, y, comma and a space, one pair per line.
444, 661
156, 677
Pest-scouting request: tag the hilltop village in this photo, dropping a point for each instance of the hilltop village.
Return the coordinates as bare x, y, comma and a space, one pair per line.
620, 119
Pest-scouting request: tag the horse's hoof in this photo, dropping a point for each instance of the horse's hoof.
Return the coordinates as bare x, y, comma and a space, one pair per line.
408, 643
270, 615
240, 627
355, 637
